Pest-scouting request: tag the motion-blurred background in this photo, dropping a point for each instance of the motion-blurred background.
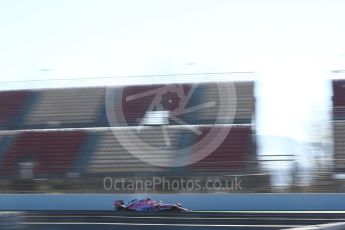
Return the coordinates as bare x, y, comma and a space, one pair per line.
285, 61
59, 140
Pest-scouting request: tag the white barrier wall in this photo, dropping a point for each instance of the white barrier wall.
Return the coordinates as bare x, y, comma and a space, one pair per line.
264, 201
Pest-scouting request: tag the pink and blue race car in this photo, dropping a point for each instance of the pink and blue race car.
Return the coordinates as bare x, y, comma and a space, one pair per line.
148, 205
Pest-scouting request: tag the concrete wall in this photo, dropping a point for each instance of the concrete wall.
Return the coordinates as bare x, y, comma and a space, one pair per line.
266, 202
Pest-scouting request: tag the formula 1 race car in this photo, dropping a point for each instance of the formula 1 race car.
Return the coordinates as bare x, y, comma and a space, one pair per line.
148, 205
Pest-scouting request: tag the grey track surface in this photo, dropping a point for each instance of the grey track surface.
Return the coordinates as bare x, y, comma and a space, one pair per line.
90, 220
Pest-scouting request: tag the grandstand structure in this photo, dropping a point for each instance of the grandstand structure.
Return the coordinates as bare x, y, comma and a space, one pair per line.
63, 135
338, 86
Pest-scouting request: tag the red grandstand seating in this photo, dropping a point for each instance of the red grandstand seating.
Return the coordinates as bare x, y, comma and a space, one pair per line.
339, 98
232, 154
10, 104
339, 124
52, 152
71, 107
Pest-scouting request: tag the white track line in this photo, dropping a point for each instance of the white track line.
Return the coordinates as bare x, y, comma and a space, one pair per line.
175, 225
